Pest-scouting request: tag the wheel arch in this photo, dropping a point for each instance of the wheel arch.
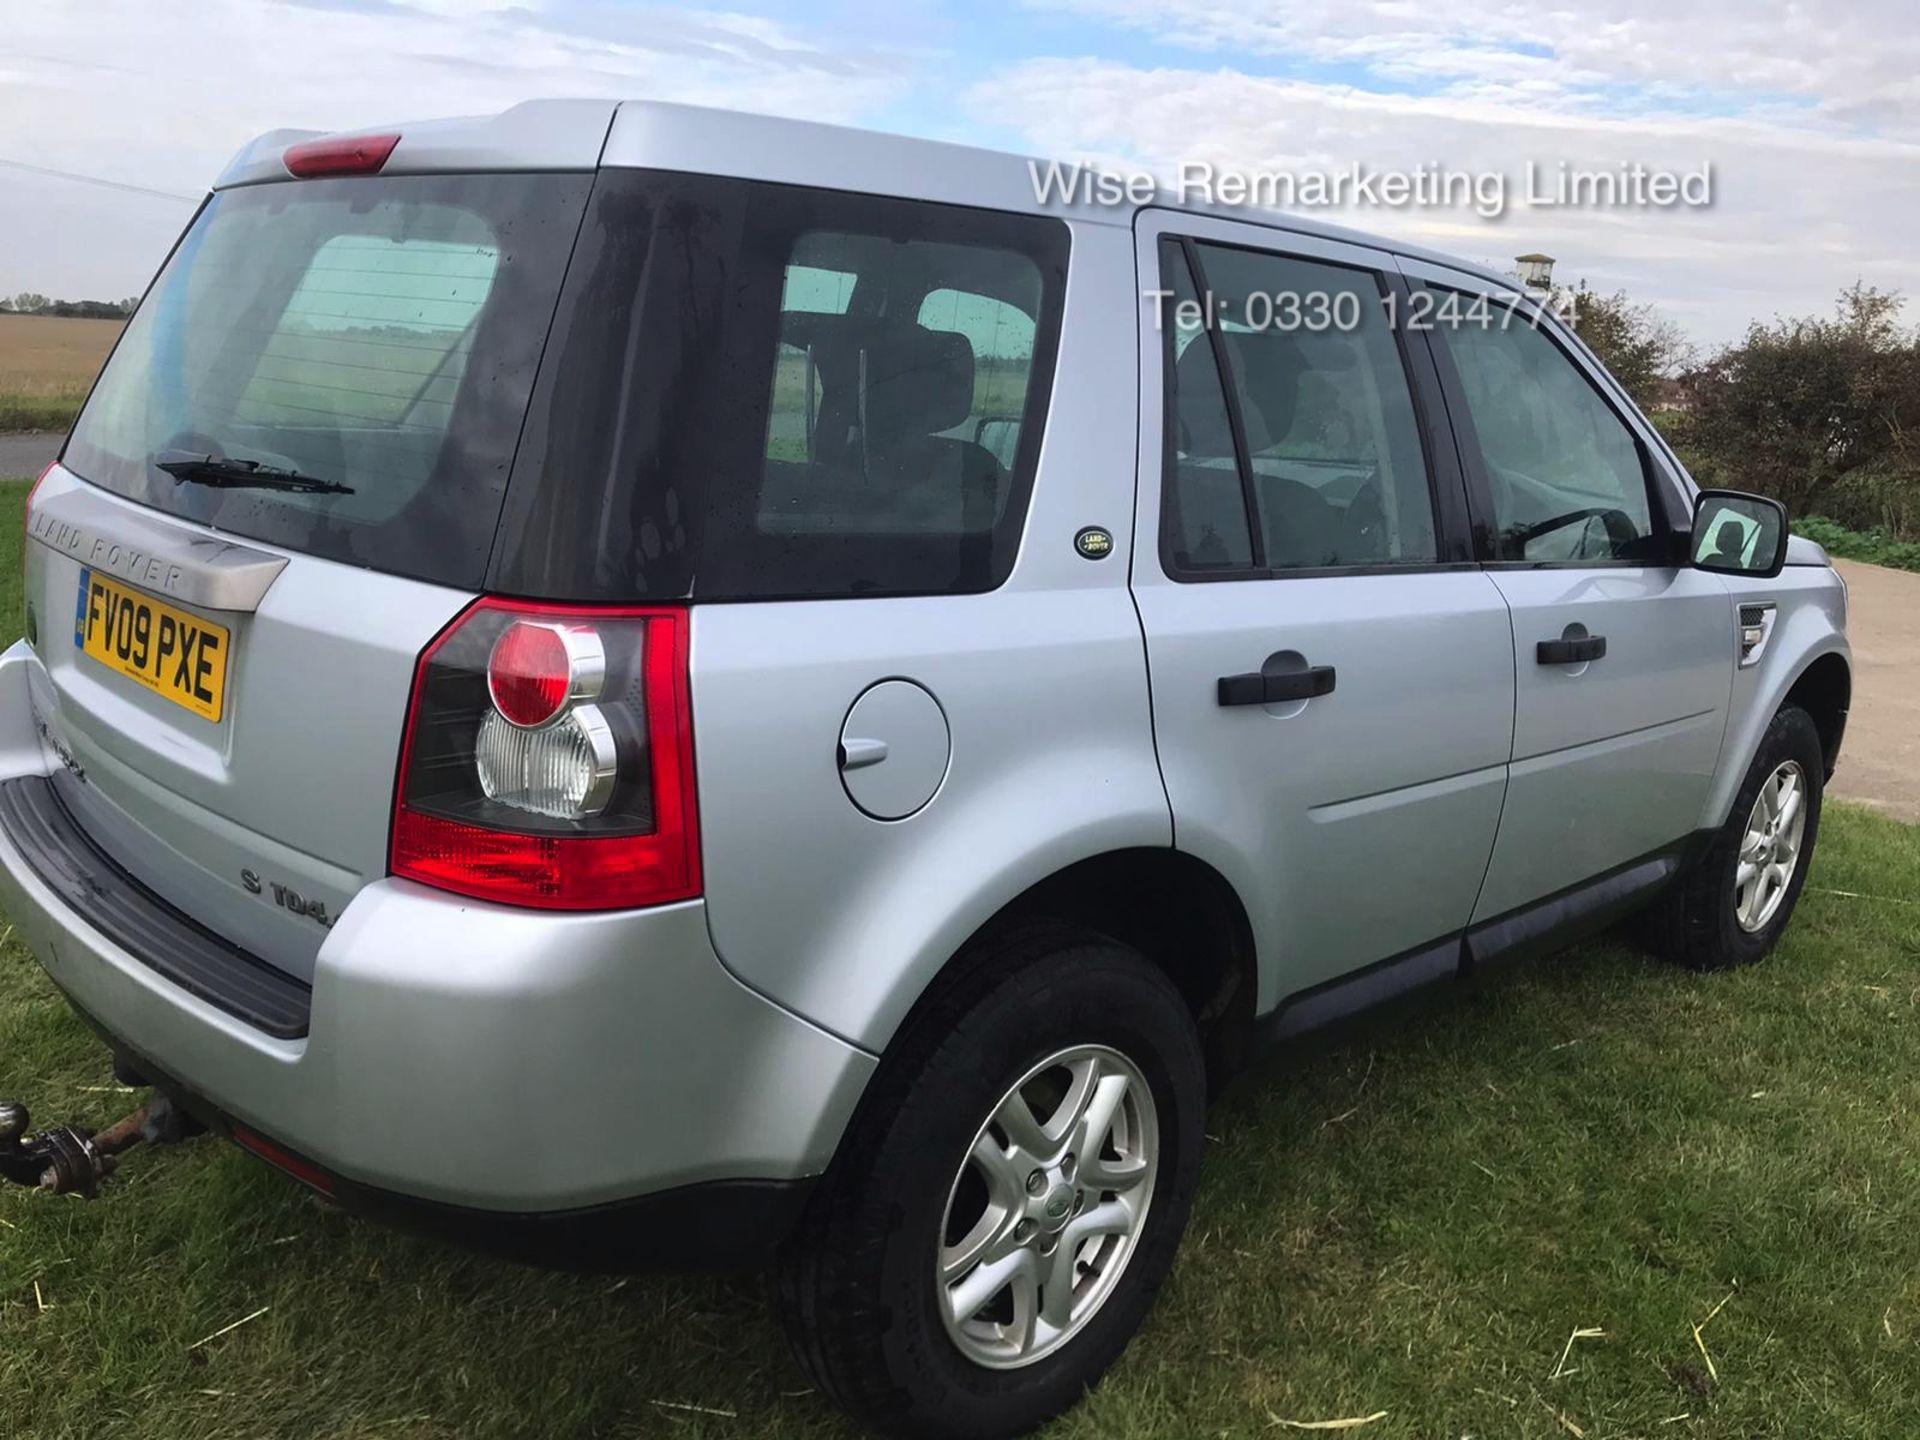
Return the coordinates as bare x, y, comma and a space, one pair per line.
1816, 674
1824, 689
1174, 908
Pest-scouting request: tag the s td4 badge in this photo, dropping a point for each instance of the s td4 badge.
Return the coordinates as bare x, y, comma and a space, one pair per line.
286, 899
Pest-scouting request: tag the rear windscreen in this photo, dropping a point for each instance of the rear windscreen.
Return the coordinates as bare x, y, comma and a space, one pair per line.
759, 391
376, 335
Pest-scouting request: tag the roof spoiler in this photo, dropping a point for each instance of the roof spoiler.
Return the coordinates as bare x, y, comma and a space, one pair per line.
542, 135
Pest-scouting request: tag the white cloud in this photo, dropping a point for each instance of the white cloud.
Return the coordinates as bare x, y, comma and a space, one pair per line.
1810, 115
1852, 62
162, 92
1800, 210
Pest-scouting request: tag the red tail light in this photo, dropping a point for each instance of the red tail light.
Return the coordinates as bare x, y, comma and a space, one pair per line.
548, 759
26, 523
352, 155
531, 673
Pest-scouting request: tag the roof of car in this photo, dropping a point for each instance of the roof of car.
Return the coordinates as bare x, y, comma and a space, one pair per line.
585, 134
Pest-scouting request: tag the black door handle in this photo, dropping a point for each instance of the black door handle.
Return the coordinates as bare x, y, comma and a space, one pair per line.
1259, 689
1571, 652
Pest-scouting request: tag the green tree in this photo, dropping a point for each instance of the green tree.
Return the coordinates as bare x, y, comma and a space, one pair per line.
1638, 345
1822, 413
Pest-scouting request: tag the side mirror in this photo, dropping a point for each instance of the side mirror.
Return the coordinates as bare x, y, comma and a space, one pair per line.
1738, 534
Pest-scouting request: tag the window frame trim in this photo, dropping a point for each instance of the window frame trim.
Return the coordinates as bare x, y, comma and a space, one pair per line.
1446, 485
1229, 398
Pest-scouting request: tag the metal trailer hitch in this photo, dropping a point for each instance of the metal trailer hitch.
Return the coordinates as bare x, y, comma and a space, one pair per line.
72, 1160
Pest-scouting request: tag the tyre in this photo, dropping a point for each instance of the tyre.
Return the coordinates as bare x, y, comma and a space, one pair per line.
1007, 1201
1731, 905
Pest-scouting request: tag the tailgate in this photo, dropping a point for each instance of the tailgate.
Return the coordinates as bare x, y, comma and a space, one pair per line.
230, 736
286, 482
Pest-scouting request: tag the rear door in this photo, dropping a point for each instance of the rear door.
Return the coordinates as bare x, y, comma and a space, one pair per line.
227, 660
1623, 655
1332, 674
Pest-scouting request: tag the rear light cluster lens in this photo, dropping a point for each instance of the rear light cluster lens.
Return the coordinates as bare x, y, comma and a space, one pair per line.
546, 746
536, 668
549, 759
26, 527
565, 772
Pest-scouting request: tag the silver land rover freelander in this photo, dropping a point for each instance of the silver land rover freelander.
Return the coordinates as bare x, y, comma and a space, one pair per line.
838, 700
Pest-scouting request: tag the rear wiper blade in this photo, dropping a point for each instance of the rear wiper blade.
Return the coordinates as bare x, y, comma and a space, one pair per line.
225, 473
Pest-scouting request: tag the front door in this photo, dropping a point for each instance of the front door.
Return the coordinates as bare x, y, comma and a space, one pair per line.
1332, 675
1624, 656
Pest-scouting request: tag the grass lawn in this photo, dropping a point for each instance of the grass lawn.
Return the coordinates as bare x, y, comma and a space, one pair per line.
1875, 547
39, 407
1414, 1221
13, 518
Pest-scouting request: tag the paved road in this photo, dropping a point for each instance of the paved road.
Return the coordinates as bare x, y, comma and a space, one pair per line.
27, 454
1880, 760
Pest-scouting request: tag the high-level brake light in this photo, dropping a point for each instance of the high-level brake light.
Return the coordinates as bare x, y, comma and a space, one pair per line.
338, 155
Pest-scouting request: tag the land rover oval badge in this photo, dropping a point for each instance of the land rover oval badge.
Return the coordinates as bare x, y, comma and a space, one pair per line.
1093, 543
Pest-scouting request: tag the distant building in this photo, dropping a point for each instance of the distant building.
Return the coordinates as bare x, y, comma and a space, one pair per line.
1536, 271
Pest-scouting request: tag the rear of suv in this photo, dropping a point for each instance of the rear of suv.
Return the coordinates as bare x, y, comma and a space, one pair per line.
805, 687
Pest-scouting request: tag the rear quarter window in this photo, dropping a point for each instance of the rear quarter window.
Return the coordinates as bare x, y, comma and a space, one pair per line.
1002, 337
762, 391
877, 421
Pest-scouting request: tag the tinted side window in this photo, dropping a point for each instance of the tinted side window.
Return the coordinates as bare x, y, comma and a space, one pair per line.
761, 391
1204, 510
1567, 477
875, 411
807, 289
811, 283
1326, 415
1001, 334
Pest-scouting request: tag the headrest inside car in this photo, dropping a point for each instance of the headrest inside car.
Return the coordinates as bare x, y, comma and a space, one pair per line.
916, 381
1269, 365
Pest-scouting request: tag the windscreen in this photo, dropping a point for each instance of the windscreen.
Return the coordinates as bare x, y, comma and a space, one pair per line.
369, 343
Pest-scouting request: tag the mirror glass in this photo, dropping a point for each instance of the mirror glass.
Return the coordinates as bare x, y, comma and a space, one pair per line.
1738, 534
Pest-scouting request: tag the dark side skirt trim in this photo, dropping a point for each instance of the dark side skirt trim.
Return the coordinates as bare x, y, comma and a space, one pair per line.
1533, 930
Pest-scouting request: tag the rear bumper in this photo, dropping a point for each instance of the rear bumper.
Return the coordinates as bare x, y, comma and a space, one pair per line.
473, 1056
709, 1225
102, 895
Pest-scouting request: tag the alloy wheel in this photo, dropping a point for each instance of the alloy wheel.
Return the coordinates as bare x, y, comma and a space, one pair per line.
1047, 1206
1770, 847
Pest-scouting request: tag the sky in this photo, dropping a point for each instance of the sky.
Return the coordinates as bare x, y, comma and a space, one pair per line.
1809, 115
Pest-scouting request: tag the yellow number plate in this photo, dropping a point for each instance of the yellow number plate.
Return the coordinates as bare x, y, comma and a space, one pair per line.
172, 653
